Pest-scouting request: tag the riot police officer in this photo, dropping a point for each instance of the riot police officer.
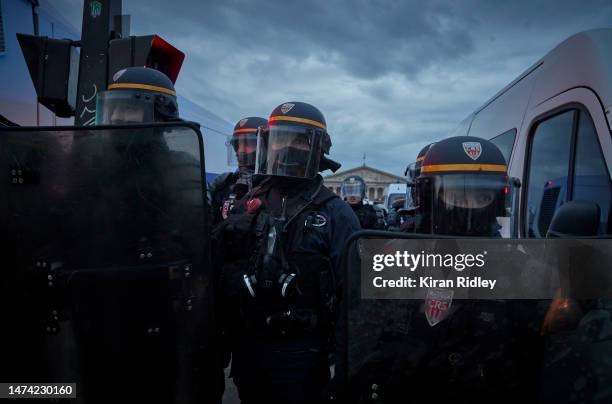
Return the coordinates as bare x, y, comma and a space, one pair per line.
122, 218
281, 254
463, 350
461, 190
229, 187
137, 95
169, 182
353, 190
407, 219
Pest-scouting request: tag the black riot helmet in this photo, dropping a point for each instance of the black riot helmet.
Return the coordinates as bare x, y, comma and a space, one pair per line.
353, 189
295, 143
463, 187
244, 141
414, 169
137, 95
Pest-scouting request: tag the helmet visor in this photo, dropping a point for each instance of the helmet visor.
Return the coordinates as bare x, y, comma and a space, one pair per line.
124, 107
411, 172
352, 189
289, 151
245, 146
466, 204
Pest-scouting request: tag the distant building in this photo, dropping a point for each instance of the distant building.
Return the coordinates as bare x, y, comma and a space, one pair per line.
376, 180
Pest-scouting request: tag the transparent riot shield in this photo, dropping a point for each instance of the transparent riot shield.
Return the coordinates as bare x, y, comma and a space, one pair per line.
106, 278
541, 334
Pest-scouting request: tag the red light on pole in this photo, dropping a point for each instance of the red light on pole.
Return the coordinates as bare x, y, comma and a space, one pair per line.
148, 51
165, 57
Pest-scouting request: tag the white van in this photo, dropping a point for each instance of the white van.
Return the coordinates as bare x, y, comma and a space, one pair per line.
392, 193
553, 124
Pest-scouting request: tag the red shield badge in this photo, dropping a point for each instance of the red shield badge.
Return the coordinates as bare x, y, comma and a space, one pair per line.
437, 305
472, 149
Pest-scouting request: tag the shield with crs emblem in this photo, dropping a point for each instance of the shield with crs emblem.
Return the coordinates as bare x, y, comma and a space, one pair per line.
437, 305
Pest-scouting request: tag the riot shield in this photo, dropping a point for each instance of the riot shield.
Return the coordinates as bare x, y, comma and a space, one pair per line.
106, 278
542, 335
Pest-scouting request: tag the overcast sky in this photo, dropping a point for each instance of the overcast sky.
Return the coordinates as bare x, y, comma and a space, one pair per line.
389, 76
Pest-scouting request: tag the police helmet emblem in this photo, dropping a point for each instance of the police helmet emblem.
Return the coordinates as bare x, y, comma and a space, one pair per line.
242, 122
437, 305
472, 149
286, 107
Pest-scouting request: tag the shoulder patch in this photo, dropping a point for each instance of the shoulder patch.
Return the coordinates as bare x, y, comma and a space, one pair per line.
316, 219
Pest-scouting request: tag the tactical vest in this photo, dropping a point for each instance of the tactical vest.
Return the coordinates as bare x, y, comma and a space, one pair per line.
278, 275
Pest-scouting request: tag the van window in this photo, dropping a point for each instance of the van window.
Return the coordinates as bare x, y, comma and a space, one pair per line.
591, 178
548, 171
505, 142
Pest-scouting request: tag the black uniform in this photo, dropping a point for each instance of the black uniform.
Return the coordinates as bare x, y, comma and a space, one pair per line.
225, 191
368, 219
280, 252
280, 344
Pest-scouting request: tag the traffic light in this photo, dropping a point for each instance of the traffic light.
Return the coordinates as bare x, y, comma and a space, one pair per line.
148, 51
53, 66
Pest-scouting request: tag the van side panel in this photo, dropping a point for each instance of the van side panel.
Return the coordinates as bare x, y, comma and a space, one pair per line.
584, 60
507, 111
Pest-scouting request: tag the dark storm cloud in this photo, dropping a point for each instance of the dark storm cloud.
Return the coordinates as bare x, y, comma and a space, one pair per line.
367, 38
390, 76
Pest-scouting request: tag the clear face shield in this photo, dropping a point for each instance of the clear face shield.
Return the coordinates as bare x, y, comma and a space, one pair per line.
352, 191
466, 204
411, 172
245, 147
124, 107
288, 151
409, 196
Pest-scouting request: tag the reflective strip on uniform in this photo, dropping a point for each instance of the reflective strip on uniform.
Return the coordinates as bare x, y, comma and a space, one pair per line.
142, 87
296, 119
464, 167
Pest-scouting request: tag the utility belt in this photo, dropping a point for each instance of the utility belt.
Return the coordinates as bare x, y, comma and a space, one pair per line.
300, 301
286, 322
